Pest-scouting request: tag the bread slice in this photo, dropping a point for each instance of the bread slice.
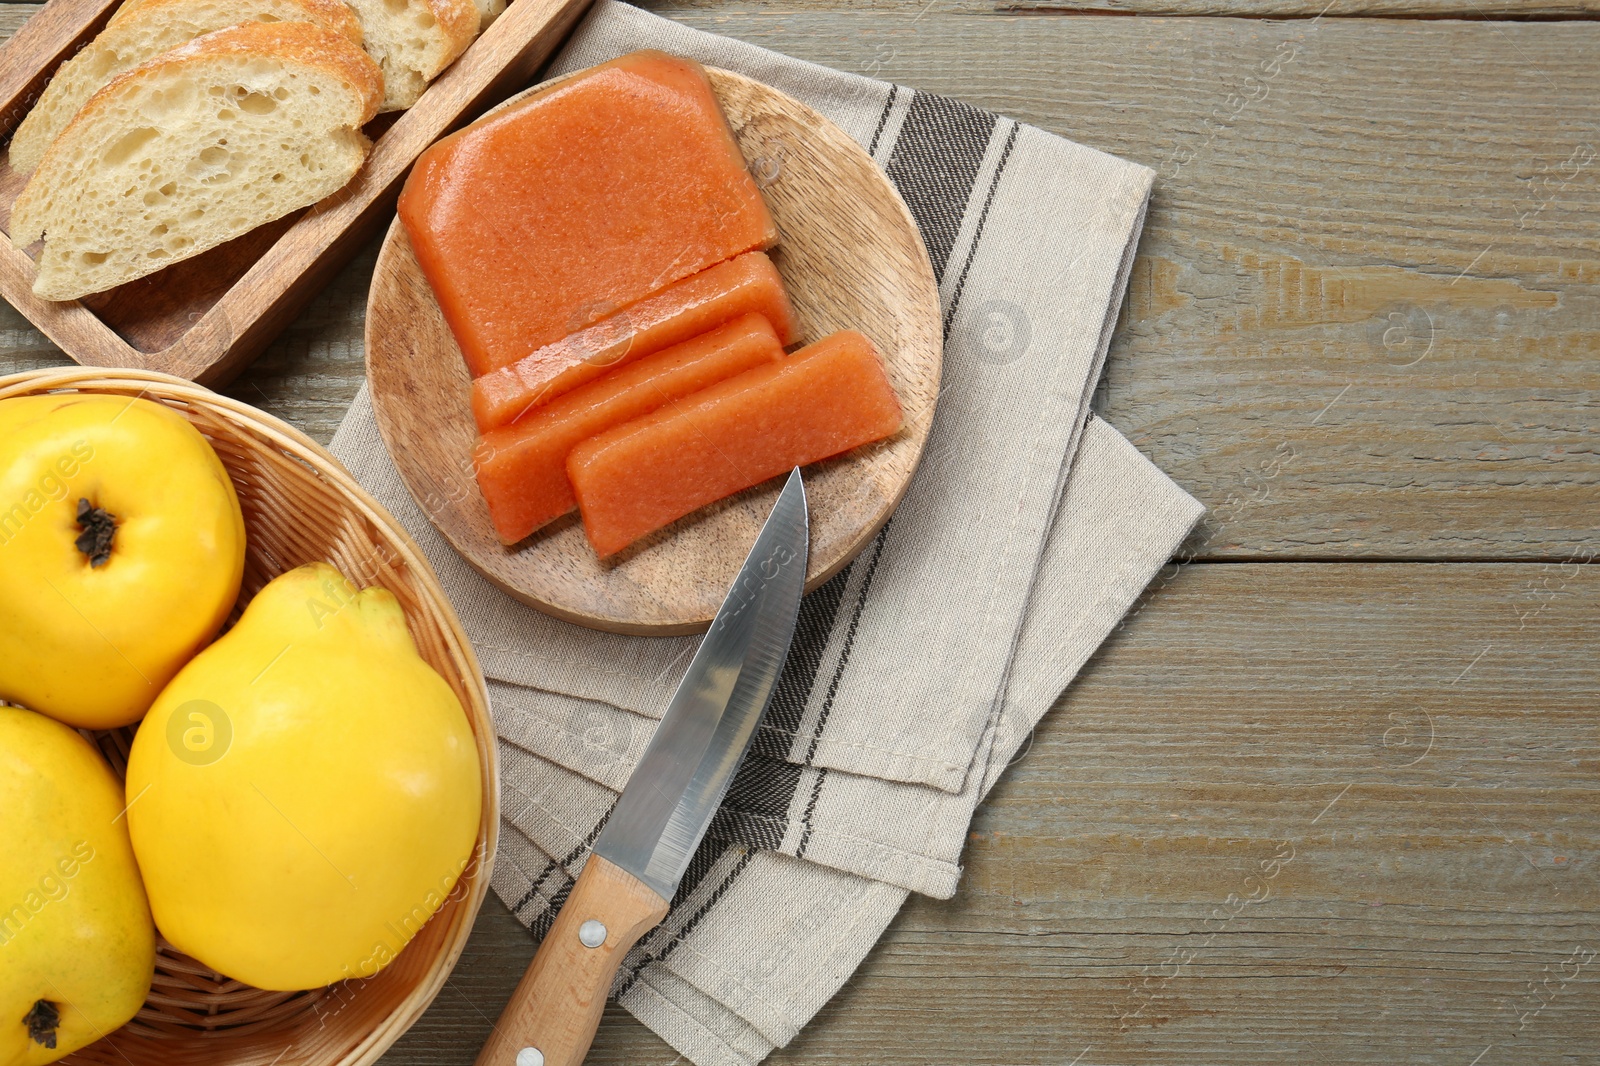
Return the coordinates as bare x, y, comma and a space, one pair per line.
488, 11
413, 40
142, 30
201, 144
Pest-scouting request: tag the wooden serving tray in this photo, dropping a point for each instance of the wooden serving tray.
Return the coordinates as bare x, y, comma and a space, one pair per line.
205, 318
851, 258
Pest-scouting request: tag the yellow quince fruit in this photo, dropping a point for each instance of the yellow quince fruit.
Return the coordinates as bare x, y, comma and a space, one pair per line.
121, 551
77, 948
306, 792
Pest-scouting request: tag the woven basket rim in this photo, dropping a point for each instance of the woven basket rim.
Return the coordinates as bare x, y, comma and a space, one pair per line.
297, 445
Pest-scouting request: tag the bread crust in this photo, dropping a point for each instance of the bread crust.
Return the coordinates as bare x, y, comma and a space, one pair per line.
488, 11
302, 42
126, 36
75, 259
460, 20
334, 14
415, 40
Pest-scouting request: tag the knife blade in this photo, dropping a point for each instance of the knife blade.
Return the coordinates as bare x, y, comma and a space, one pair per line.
666, 808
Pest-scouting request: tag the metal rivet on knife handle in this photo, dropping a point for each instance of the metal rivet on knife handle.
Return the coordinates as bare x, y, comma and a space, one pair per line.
592, 934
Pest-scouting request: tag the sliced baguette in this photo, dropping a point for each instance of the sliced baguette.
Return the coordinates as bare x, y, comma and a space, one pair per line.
198, 146
413, 40
142, 30
488, 11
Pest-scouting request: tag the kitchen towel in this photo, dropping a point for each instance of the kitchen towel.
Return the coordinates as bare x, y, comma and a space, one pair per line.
917, 671
1119, 521
757, 942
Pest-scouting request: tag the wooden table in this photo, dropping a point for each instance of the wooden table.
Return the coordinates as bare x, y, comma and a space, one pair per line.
1364, 328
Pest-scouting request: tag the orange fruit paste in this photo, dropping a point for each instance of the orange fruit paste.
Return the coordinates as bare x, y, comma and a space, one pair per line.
641, 475
522, 468
578, 201
747, 285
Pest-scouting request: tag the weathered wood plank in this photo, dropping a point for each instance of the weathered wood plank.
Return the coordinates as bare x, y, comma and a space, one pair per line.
1474, 9
1419, 745
1361, 324
1426, 9
1400, 216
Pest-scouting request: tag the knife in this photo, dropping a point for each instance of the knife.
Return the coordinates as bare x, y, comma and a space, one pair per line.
664, 812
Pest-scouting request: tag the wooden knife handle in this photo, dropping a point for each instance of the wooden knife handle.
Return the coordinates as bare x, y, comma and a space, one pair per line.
556, 1008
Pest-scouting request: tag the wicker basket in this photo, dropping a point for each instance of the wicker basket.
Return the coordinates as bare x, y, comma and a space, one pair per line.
300, 506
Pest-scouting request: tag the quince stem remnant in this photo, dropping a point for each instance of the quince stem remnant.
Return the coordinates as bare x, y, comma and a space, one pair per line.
42, 1021
99, 529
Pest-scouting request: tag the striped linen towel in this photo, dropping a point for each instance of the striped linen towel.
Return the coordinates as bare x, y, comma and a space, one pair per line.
918, 671
757, 941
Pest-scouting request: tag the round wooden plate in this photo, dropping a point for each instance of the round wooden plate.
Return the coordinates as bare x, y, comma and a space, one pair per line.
850, 256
